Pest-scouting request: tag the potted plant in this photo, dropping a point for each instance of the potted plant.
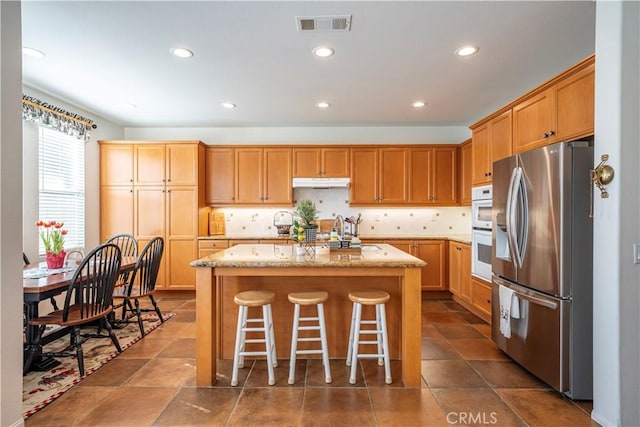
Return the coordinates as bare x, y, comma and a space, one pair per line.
304, 225
52, 236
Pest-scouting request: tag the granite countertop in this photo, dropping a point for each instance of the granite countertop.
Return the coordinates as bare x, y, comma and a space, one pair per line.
462, 238
283, 256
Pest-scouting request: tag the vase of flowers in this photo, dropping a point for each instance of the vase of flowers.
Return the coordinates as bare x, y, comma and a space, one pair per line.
52, 236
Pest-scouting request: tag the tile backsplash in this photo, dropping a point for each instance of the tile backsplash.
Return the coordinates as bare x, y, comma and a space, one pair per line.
383, 221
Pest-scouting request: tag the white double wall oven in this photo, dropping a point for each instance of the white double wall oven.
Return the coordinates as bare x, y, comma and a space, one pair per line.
481, 222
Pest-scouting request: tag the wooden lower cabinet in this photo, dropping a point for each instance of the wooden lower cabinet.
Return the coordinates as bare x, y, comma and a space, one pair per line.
471, 293
208, 247
460, 270
481, 300
433, 252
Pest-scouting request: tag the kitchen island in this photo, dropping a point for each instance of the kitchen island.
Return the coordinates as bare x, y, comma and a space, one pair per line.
277, 268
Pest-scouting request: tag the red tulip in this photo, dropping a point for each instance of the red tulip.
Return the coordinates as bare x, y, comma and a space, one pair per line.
64, 232
39, 223
47, 224
58, 224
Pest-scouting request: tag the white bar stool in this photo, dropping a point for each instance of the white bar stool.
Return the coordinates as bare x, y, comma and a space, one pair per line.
309, 298
254, 299
369, 297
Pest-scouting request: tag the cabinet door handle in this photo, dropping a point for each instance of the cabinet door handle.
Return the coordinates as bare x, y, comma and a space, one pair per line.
488, 301
552, 132
131, 180
545, 135
435, 197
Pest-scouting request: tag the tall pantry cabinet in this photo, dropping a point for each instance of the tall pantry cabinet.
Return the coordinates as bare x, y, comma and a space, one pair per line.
150, 189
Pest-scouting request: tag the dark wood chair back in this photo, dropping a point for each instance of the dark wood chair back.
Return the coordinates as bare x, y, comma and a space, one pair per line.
90, 291
145, 272
126, 242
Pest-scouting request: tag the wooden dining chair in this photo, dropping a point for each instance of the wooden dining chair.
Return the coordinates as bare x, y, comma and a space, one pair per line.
142, 284
128, 247
88, 300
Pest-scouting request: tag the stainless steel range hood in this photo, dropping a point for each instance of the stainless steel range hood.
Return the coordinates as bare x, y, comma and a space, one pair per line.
321, 182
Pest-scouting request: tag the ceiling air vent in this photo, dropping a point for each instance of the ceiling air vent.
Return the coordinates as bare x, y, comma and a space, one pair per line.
324, 23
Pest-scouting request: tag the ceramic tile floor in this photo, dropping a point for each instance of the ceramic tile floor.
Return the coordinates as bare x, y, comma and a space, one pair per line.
466, 381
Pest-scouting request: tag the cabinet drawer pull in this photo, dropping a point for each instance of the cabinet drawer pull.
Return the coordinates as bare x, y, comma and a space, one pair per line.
551, 133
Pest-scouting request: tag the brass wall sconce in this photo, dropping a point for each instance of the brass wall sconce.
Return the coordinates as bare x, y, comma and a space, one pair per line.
602, 175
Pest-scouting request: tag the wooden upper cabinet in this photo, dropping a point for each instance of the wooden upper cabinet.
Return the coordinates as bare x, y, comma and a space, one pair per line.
491, 142
501, 138
534, 121
420, 161
149, 164
182, 164
464, 173
444, 176
394, 179
480, 149
314, 162
116, 164
432, 175
220, 176
277, 176
335, 162
263, 175
364, 176
306, 162
249, 174
575, 105
562, 112
159, 164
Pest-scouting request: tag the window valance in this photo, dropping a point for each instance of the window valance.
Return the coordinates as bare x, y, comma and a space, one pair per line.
47, 115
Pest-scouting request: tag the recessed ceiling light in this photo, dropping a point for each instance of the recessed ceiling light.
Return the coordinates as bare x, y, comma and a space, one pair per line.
323, 52
35, 53
181, 52
323, 105
466, 50
418, 104
228, 105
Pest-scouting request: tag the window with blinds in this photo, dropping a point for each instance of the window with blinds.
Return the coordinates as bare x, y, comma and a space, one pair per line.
61, 184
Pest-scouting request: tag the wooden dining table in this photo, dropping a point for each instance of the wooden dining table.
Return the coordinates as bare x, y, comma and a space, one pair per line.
39, 289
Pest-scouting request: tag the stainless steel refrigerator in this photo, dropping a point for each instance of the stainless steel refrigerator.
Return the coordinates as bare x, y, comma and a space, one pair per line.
542, 244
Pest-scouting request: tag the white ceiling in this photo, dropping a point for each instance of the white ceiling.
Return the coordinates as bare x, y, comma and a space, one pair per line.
101, 55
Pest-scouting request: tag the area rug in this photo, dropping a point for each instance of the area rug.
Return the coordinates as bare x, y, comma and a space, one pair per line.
41, 388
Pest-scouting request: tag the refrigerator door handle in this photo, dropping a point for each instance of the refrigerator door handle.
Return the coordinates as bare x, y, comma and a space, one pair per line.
523, 216
525, 295
510, 218
514, 190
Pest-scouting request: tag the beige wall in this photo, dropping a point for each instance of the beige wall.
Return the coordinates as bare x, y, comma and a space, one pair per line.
10, 216
309, 135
